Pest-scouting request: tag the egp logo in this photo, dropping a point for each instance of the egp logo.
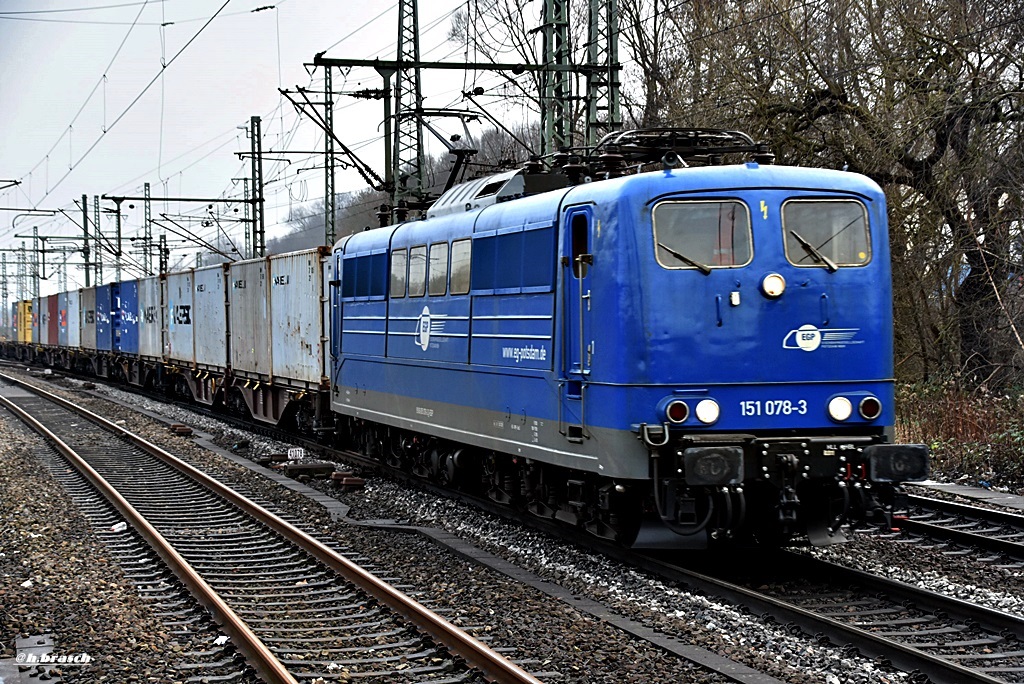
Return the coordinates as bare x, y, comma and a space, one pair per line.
427, 326
423, 329
809, 338
806, 337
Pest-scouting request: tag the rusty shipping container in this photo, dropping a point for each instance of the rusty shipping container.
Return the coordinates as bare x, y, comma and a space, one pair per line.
52, 334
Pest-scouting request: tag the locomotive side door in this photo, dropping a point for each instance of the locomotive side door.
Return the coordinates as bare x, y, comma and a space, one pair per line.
577, 343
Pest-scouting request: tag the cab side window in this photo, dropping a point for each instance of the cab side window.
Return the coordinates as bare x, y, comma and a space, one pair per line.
461, 253
399, 262
418, 271
438, 269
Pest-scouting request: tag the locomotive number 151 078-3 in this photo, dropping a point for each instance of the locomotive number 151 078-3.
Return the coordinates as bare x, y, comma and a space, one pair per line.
773, 407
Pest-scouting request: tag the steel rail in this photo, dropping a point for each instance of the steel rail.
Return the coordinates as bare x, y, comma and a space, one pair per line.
967, 537
255, 651
956, 508
1005, 547
489, 663
939, 670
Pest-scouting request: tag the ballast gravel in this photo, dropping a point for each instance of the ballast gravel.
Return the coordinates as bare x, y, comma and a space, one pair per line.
547, 636
57, 578
550, 634
989, 584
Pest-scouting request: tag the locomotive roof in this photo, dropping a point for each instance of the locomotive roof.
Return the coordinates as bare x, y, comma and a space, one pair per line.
531, 201
477, 193
501, 187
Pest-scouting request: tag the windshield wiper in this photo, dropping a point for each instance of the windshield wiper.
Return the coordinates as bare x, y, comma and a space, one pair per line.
812, 250
703, 268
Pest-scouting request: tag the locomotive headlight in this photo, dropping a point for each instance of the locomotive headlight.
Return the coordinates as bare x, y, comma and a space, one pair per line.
773, 285
708, 411
840, 408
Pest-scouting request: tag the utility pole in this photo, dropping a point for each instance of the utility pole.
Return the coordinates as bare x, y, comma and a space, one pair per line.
409, 153
99, 239
85, 236
63, 280
117, 246
556, 95
603, 109
329, 198
258, 225
388, 68
248, 230
164, 254
22, 273
35, 260
147, 209
404, 169
309, 108
3, 293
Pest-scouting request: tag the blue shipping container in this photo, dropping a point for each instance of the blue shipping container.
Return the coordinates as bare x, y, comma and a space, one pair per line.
105, 294
126, 317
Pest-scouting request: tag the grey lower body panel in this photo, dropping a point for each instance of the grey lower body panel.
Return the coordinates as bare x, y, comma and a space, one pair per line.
605, 452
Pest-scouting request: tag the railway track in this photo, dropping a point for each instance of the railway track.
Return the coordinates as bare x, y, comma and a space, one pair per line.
961, 528
297, 609
937, 638
204, 649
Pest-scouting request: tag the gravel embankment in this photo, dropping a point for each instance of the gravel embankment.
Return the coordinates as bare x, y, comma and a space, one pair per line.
549, 635
565, 641
56, 577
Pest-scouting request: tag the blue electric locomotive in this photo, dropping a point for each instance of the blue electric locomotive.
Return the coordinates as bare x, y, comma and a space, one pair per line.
664, 358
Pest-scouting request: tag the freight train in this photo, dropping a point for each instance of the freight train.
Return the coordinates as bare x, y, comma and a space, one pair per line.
691, 356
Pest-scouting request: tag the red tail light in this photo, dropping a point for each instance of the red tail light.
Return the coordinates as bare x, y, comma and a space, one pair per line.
677, 412
870, 408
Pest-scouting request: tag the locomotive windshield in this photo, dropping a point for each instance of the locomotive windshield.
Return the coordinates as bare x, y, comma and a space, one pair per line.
702, 234
826, 233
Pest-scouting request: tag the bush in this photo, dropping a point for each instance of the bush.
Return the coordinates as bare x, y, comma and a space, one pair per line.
975, 436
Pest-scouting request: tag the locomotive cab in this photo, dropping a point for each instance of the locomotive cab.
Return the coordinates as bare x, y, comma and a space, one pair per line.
753, 332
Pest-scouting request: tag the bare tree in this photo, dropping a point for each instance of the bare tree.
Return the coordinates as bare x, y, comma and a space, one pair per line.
501, 31
648, 33
354, 212
510, 31
926, 98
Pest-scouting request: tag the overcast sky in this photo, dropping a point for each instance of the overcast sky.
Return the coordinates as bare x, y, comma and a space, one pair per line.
76, 115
